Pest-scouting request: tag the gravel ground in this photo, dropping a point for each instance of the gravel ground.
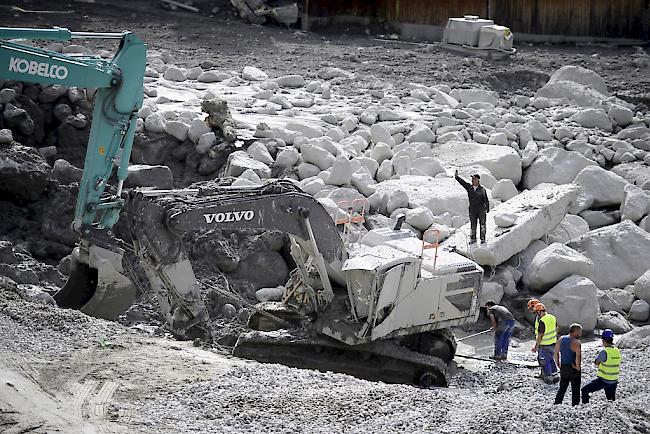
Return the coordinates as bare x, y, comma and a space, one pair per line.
167, 386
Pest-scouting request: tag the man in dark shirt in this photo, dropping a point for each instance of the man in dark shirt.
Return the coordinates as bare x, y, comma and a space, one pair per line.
503, 324
570, 350
479, 205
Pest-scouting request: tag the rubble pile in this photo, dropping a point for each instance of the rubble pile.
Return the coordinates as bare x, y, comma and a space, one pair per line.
567, 170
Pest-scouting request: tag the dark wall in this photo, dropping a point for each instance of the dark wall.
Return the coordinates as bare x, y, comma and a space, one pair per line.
599, 18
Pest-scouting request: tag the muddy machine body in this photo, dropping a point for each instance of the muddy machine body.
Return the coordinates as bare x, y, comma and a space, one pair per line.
385, 300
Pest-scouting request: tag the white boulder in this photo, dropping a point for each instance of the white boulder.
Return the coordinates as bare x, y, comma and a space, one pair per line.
623, 116
380, 152
399, 199
574, 299
538, 131
421, 133
177, 129
619, 252
258, 151
640, 311
316, 155
571, 226
269, 294
504, 190
380, 134
622, 297
637, 338
287, 157
174, 73
614, 321
642, 286
538, 211
292, 81
502, 161
504, 219
636, 203
554, 263
252, 73
592, 118
304, 129
197, 128
440, 195
467, 96
603, 186
341, 172
420, 218
206, 141
239, 161
427, 166
578, 74
555, 165
491, 291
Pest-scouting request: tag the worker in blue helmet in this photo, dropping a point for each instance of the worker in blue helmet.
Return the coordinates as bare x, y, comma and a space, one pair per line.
608, 362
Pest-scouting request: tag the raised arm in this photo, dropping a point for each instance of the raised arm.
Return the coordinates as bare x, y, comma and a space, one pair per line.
462, 182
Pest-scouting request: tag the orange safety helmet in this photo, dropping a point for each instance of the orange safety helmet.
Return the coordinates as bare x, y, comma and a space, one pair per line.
531, 303
539, 307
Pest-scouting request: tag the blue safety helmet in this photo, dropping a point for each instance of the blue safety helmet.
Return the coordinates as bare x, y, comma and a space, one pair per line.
607, 333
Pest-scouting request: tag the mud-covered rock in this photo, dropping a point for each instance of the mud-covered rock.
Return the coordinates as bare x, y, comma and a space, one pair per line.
24, 173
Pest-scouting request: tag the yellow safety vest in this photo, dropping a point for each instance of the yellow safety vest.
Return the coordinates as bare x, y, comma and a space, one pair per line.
550, 332
536, 325
610, 368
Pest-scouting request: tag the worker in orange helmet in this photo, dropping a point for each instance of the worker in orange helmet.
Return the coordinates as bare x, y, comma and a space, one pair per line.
545, 343
531, 308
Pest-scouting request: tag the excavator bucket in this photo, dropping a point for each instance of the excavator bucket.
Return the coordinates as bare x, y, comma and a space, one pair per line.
97, 284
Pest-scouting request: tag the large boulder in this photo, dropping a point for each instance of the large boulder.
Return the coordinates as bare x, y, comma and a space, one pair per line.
637, 338
574, 299
640, 311
555, 263
439, 195
642, 286
619, 252
592, 118
635, 172
502, 161
636, 203
578, 74
608, 303
142, 175
621, 297
555, 165
24, 173
571, 226
603, 187
614, 321
538, 211
239, 161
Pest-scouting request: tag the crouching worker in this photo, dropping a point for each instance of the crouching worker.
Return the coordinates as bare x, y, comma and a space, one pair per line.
568, 356
609, 367
545, 343
503, 324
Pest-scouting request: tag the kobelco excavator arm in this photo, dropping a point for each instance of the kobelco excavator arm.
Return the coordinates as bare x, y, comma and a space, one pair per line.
119, 84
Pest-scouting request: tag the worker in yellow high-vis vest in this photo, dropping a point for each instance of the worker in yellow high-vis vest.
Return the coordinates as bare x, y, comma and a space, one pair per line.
608, 362
531, 308
545, 343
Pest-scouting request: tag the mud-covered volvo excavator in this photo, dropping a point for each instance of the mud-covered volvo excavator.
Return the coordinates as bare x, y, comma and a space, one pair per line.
379, 308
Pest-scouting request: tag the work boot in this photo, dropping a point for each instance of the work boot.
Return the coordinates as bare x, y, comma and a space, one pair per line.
504, 357
472, 241
495, 357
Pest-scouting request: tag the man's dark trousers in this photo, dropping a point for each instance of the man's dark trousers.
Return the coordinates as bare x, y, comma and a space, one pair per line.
477, 215
569, 375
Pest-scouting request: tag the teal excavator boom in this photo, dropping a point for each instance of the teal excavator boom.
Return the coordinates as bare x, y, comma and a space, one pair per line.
97, 284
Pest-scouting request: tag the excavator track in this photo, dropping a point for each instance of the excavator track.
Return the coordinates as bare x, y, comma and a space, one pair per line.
385, 360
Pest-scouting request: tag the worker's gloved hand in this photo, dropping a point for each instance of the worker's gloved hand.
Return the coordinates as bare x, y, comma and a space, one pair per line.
534, 350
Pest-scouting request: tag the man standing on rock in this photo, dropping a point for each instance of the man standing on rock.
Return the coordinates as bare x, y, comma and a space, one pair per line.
479, 205
503, 324
570, 348
545, 343
608, 362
